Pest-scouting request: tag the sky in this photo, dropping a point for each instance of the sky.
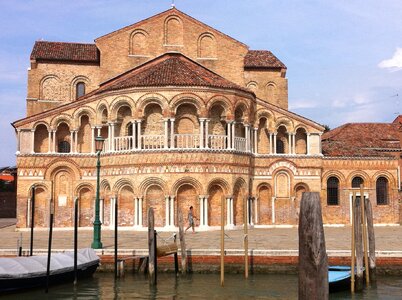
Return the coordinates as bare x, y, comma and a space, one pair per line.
344, 58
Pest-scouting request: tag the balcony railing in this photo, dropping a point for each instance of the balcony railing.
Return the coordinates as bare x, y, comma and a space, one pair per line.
153, 141
240, 143
187, 141
217, 142
123, 143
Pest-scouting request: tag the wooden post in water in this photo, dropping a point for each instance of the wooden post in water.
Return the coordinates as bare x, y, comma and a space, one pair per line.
176, 259
313, 260
116, 237
32, 220
151, 247
366, 264
353, 248
359, 245
49, 248
371, 239
75, 238
245, 220
182, 244
222, 241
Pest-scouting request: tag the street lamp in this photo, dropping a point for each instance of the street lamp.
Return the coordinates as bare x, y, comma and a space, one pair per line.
96, 243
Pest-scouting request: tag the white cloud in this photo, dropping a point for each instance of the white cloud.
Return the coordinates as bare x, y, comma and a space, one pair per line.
394, 63
296, 104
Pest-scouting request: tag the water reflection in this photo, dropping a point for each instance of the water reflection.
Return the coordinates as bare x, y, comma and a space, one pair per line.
199, 286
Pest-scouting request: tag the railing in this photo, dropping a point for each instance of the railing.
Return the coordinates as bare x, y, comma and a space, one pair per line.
217, 141
187, 141
153, 141
105, 146
240, 143
123, 143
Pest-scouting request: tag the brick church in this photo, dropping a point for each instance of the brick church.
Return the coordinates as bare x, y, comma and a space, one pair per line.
190, 117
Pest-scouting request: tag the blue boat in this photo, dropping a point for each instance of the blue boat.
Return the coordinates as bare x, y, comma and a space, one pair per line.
339, 278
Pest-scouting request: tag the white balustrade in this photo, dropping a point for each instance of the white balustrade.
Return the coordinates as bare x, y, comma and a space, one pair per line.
187, 141
217, 141
123, 143
240, 143
105, 146
153, 141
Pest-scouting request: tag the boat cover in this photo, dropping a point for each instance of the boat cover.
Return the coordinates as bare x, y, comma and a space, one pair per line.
31, 266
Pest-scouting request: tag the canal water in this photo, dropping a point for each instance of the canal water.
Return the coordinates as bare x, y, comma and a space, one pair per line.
200, 286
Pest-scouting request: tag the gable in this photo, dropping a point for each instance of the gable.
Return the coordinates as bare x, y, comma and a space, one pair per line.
171, 31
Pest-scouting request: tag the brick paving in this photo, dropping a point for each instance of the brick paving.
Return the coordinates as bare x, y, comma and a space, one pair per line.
337, 238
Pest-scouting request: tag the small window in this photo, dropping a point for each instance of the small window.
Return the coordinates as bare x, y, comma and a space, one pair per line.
280, 147
357, 181
382, 191
333, 191
64, 147
80, 90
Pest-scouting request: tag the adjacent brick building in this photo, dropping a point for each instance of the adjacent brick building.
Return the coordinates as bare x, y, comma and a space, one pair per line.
191, 116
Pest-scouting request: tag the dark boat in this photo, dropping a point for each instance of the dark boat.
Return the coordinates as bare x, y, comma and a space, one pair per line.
339, 278
20, 273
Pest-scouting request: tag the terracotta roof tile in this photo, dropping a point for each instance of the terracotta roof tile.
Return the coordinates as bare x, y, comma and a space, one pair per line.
58, 51
170, 69
262, 59
362, 139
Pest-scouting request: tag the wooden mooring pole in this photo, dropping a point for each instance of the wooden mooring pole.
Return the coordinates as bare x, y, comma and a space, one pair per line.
151, 248
222, 241
116, 237
313, 260
32, 220
359, 245
49, 248
182, 244
75, 238
364, 223
353, 247
371, 239
245, 219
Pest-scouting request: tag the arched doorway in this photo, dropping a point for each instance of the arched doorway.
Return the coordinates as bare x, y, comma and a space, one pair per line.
155, 198
239, 196
187, 196
86, 211
126, 206
63, 200
265, 204
214, 205
41, 207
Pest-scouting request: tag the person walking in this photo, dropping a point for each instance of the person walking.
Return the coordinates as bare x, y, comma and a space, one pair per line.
191, 218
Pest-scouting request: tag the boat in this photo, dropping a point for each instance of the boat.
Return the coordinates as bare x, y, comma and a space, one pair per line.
339, 278
26, 272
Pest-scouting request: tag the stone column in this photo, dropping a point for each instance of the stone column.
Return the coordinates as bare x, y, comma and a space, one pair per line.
19, 141
166, 137
201, 198
101, 210
202, 120
273, 210
206, 210
54, 141
71, 141
270, 143
256, 140
167, 208
33, 141
274, 142
233, 135
231, 212
93, 140
294, 142
172, 211
228, 211
139, 141
229, 135
140, 204
29, 212
112, 144
256, 210
76, 141
207, 133
136, 217
172, 146
247, 131
308, 144
133, 135
112, 207
319, 143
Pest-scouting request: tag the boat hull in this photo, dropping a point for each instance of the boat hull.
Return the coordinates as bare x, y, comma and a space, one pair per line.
10, 285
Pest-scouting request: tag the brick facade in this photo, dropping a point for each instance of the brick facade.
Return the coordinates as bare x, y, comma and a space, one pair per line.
189, 120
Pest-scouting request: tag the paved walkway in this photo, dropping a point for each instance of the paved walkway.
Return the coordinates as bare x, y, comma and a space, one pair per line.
388, 239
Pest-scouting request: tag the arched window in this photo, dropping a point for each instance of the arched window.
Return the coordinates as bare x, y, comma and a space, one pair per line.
333, 191
280, 147
80, 90
357, 181
382, 191
64, 147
